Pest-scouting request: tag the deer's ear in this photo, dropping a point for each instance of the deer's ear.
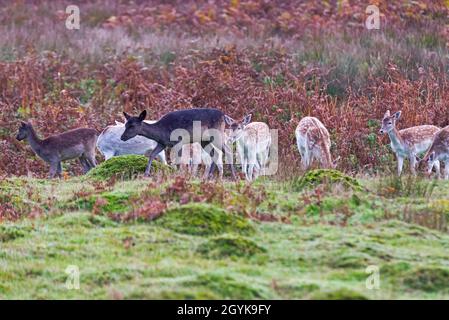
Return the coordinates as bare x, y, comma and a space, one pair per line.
228, 120
387, 114
143, 115
397, 115
247, 119
418, 159
23, 123
127, 116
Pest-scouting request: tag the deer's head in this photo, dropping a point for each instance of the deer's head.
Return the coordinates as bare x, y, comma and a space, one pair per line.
133, 125
389, 121
24, 130
237, 127
428, 160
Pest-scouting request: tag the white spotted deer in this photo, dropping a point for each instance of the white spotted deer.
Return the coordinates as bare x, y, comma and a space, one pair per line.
253, 141
439, 151
410, 142
313, 141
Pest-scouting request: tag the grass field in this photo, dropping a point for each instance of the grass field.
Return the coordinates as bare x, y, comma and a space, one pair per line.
288, 236
154, 238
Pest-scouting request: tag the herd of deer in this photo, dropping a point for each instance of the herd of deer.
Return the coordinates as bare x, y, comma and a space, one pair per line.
252, 139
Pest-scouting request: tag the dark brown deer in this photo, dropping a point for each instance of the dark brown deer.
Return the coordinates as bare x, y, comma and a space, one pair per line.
177, 128
77, 143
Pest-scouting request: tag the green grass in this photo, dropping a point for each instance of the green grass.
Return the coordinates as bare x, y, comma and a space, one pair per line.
201, 251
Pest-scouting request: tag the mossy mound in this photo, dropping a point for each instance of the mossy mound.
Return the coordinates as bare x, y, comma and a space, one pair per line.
107, 202
339, 294
428, 279
11, 232
330, 177
353, 260
204, 219
226, 287
230, 246
125, 167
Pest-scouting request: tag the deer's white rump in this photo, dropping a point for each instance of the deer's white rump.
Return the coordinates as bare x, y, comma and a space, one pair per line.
313, 141
110, 144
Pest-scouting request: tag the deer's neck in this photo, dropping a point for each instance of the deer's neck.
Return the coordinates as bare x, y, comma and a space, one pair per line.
34, 141
154, 132
396, 140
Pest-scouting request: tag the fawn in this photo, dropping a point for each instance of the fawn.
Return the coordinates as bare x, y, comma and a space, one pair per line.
211, 126
408, 143
192, 156
77, 143
253, 144
439, 151
110, 144
313, 141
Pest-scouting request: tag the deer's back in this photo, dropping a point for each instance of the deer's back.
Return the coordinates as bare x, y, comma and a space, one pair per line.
416, 135
71, 138
209, 118
441, 141
256, 132
314, 130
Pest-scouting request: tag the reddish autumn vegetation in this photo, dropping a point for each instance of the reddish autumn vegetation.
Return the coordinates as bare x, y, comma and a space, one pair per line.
280, 60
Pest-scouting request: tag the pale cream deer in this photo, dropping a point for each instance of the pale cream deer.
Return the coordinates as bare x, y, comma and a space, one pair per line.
313, 141
253, 141
439, 151
410, 142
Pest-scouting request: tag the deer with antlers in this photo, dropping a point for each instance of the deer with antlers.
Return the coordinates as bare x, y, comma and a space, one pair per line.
313, 141
409, 142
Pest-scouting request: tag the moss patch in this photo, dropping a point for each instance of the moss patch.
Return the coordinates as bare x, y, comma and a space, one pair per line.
228, 288
429, 279
11, 232
353, 260
230, 246
204, 219
106, 202
125, 167
313, 178
340, 294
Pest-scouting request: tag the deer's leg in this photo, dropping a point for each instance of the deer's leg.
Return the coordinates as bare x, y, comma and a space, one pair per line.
446, 170
252, 159
400, 164
413, 162
161, 157
85, 164
53, 169
90, 159
229, 155
59, 170
436, 164
153, 155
